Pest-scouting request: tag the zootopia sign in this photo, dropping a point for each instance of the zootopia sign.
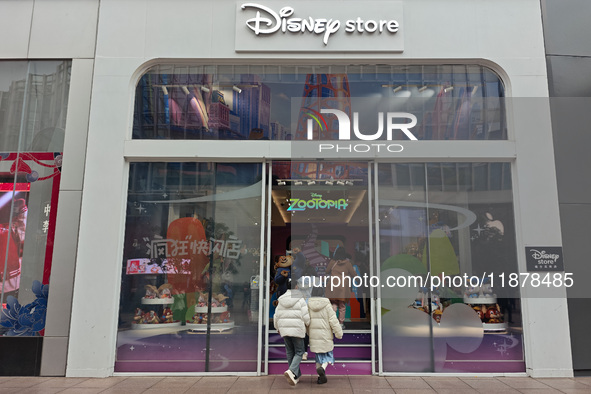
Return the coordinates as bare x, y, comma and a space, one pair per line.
316, 202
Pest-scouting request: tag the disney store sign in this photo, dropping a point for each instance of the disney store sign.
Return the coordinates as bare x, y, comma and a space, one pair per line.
319, 26
270, 22
544, 258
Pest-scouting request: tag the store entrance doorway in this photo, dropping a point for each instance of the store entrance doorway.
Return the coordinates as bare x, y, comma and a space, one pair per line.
317, 208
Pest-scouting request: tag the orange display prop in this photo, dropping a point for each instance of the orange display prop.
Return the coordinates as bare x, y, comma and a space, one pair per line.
187, 229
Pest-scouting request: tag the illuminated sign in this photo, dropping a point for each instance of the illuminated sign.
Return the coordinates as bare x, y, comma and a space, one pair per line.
317, 202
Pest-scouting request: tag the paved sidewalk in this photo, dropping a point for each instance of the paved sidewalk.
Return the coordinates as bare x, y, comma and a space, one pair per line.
278, 384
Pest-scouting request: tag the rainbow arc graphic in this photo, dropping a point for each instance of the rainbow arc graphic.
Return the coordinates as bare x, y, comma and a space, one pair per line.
322, 91
317, 116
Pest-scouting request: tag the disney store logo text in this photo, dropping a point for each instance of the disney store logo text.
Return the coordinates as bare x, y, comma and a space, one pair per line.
270, 22
544, 258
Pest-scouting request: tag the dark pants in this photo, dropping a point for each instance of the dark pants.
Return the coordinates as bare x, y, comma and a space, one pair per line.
294, 349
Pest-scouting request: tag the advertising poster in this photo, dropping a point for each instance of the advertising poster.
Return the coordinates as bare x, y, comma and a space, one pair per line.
13, 223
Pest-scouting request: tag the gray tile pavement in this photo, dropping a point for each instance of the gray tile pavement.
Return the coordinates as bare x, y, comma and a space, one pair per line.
278, 384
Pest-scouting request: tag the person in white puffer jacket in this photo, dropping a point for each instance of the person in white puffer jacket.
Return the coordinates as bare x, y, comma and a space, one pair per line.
291, 320
323, 324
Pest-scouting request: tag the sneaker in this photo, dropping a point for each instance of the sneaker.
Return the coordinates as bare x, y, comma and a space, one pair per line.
320, 369
291, 379
305, 356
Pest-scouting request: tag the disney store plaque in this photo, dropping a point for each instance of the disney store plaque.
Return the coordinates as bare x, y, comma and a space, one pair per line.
544, 258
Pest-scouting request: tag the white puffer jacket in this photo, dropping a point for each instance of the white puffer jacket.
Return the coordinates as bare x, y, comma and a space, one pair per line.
323, 323
291, 316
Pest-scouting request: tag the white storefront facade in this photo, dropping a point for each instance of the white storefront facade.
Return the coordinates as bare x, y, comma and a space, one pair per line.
186, 123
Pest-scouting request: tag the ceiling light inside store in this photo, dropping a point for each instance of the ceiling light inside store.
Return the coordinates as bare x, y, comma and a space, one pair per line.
310, 183
205, 89
330, 183
298, 183
403, 94
448, 89
419, 97
281, 183
236, 89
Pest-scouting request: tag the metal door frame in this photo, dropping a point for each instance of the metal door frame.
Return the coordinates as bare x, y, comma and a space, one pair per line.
265, 269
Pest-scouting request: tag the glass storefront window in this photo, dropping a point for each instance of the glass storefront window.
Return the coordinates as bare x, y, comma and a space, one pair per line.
434, 220
191, 263
33, 104
442, 223
451, 102
319, 208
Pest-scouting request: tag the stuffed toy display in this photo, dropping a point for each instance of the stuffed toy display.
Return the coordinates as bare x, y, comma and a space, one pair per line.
282, 274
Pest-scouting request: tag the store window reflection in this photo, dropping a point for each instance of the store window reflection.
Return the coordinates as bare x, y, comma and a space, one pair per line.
33, 107
450, 102
12, 233
191, 249
436, 222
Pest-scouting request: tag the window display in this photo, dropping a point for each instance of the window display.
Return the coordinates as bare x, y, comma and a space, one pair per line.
33, 103
451, 102
449, 234
147, 318
28, 209
192, 244
12, 238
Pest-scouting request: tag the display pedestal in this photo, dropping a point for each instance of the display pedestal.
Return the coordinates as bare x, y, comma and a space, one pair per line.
487, 300
491, 327
151, 326
214, 326
163, 302
157, 301
201, 327
480, 300
214, 309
